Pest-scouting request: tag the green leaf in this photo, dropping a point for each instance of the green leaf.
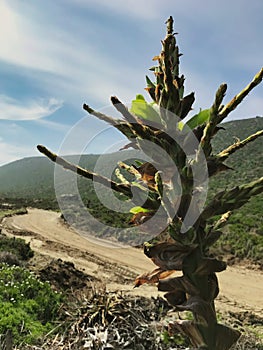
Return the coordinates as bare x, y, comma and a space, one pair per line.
139, 98
180, 125
136, 210
138, 163
199, 119
149, 82
144, 110
181, 92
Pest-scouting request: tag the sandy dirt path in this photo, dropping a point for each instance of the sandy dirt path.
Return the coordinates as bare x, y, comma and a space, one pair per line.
241, 289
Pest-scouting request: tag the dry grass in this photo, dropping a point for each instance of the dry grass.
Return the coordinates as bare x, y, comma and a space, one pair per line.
96, 319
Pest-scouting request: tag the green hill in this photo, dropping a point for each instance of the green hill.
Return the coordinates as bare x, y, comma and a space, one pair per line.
30, 181
26, 178
33, 177
243, 236
248, 162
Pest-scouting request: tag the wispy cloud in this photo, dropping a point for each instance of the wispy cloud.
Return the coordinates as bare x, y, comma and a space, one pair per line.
150, 9
87, 59
85, 51
18, 44
74, 66
10, 152
53, 125
12, 109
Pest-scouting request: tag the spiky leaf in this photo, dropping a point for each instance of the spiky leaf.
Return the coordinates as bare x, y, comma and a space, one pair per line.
199, 119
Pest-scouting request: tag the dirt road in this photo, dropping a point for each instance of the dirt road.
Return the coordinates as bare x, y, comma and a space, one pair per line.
240, 288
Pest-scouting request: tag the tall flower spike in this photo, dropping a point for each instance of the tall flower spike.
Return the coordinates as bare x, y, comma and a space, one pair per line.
169, 192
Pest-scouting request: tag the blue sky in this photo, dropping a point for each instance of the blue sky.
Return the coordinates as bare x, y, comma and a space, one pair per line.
56, 55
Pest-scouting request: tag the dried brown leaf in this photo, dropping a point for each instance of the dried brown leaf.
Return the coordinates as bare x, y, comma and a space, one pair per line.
152, 277
140, 218
148, 171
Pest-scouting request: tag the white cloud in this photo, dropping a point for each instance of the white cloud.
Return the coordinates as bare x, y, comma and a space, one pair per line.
72, 51
12, 152
53, 125
19, 43
77, 67
81, 69
149, 9
82, 59
11, 109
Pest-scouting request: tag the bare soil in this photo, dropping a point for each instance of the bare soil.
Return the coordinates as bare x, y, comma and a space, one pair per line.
241, 288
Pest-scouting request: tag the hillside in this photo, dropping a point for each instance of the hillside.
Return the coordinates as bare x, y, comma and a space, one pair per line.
244, 234
33, 176
30, 181
248, 162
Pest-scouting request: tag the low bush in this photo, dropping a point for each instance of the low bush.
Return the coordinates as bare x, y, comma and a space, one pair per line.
27, 305
16, 246
241, 244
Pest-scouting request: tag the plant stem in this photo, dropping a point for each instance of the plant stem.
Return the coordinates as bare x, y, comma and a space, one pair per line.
223, 155
122, 188
239, 97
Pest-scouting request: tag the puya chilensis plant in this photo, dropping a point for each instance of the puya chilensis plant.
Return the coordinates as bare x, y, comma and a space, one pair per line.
175, 181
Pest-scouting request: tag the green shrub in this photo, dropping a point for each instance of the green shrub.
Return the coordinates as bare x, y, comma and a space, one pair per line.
241, 243
27, 305
16, 246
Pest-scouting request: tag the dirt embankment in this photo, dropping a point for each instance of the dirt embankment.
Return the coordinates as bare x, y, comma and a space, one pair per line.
240, 288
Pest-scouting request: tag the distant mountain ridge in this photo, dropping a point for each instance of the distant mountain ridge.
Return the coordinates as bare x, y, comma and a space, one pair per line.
34, 176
